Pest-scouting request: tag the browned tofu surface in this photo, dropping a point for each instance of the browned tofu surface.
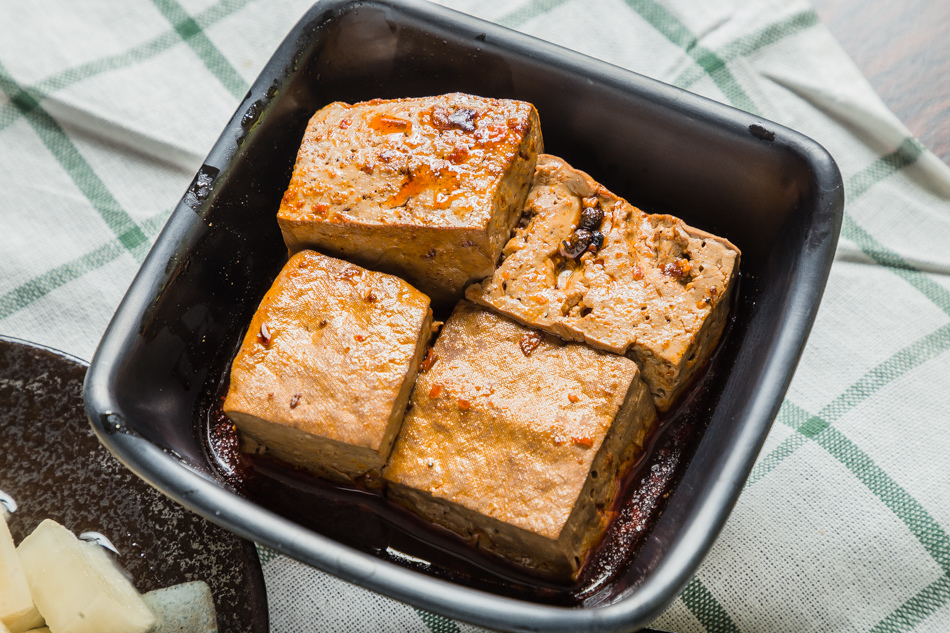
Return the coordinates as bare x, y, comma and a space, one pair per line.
657, 290
326, 367
516, 440
427, 189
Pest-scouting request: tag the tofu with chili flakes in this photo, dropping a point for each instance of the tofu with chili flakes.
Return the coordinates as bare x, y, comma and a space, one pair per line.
654, 288
516, 440
428, 189
326, 367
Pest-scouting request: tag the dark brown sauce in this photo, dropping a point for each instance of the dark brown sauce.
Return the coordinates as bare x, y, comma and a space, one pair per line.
361, 517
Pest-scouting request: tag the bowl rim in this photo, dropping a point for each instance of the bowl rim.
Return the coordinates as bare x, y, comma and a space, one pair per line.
637, 606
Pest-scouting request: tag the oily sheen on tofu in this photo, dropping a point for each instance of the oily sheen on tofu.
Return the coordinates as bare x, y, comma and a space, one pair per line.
657, 290
427, 189
326, 367
516, 440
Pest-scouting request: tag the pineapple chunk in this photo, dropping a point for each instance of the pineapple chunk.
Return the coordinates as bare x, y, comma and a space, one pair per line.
185, 607
16, 606
77, 587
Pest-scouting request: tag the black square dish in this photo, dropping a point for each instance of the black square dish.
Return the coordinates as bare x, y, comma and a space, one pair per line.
153, 388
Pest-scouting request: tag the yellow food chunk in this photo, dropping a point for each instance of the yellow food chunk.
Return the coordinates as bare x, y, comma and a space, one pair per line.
16, 605
77, 587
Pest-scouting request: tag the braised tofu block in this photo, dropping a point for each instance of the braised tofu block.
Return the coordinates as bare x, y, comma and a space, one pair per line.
428, 189
326, 367
589, 266
517, 440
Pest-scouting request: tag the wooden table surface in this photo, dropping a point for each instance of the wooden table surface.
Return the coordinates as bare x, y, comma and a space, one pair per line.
903, 48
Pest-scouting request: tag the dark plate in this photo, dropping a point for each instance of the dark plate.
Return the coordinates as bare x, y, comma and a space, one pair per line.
771, 191
55, 468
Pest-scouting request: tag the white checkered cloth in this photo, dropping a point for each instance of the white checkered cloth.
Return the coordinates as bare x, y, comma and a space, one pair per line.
108, 108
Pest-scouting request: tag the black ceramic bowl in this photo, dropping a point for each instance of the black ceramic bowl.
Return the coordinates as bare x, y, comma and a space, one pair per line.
771, 191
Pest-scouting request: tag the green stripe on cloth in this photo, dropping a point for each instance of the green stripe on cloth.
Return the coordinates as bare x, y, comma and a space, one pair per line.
871, 247
909, 151
752, 43
917, 353
665, 22
922, 526
40, 286
265, 554
81, 173
436, 623
27, 99
925, 529
671, 28
914, 355
915, 610
529, 11
677, 33
776, 456
10, 113
704, 607
819, 429
907, 154
193, 35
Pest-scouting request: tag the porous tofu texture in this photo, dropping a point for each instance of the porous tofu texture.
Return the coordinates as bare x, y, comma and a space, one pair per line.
657, 290
517, 440
326, 367
427, 189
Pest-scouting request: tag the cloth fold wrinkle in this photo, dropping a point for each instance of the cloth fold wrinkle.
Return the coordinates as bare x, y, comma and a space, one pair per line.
877, 124
848, 252
83, 120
